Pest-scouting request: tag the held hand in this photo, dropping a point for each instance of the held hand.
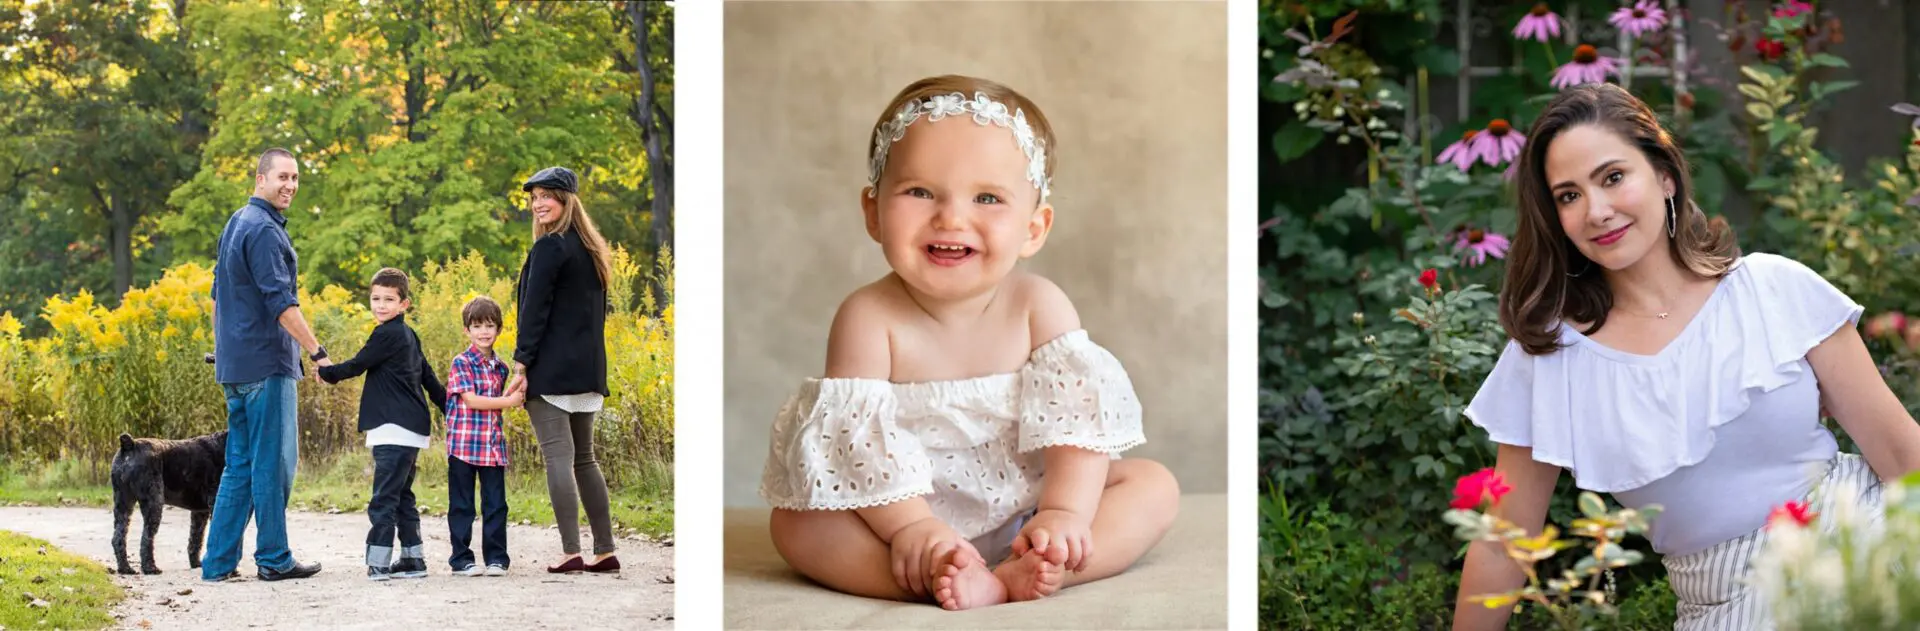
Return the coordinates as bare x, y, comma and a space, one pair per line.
918, 548
516, 398
1059, 535
519, 380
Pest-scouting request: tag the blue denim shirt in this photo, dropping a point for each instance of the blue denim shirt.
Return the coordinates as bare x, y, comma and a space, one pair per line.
253, 283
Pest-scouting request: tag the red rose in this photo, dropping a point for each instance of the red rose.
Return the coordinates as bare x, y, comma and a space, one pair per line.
1471, 490
1430, 278
1798, 512
1769, 49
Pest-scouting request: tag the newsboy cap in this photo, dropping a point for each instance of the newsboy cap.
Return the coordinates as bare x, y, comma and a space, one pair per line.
554, 178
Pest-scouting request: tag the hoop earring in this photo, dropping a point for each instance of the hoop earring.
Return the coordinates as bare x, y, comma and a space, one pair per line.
1583, 270
1672, 218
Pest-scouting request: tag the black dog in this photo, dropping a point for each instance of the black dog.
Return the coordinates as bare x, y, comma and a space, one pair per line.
156, 472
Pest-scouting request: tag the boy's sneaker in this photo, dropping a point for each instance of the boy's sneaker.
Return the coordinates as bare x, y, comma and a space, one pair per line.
469, 570
408, 567
496, 569
377, 573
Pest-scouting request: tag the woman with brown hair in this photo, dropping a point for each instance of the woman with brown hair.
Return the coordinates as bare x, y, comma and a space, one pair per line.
560, 358
1653, 361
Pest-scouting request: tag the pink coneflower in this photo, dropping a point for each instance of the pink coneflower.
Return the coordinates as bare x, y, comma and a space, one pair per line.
1643, 17
1460, 153
1588, 66
1480, 244
1499, 145
1539, 24
1792, 8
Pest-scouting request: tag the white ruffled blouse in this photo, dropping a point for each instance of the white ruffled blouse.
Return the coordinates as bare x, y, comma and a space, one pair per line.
1718, 427
972, 446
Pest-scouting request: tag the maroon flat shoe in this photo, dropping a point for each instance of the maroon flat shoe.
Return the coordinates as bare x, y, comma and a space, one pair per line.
608, 565
572, 566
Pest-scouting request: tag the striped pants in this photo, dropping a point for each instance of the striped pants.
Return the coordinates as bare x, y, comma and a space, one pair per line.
1711, 584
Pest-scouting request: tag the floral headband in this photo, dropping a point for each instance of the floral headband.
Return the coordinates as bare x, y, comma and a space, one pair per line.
985, 111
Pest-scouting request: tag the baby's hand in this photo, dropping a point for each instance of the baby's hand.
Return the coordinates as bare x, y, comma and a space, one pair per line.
516, 398
1053, 531
918, 549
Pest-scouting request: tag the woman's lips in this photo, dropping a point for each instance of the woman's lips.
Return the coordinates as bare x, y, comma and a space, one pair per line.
1611, 237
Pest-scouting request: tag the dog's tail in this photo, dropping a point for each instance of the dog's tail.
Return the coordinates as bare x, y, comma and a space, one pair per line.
126, 442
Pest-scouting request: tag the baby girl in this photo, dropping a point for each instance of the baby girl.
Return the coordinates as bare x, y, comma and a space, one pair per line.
963, 445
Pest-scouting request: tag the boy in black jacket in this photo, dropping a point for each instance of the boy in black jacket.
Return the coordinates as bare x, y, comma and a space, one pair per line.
397, 422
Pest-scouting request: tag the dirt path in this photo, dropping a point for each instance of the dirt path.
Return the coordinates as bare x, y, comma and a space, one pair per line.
341, 597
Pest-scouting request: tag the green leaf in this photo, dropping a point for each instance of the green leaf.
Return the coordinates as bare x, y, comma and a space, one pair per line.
1765, 75
1592, 506
1438, 61
1777, 134
1829, 60
1295, 139
1760, 111
1822, 90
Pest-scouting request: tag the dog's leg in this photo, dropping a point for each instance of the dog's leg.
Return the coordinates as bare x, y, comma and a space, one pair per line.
150, 509
122, 512
194, 537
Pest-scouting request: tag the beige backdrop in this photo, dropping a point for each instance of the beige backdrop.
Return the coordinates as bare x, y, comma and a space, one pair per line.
1137, 94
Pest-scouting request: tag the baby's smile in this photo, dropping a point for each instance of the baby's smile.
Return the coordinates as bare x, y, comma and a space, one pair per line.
949, 254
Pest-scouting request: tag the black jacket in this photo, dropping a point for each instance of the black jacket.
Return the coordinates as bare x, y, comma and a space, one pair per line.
396, 372
563, 318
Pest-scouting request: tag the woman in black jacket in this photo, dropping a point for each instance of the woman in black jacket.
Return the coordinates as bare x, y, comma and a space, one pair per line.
561, 353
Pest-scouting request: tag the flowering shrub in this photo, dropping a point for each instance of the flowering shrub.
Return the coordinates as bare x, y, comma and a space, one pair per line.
1849, 568
138, 367
1573, 597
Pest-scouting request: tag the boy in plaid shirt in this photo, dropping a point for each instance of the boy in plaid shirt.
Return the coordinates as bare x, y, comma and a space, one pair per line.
476, 445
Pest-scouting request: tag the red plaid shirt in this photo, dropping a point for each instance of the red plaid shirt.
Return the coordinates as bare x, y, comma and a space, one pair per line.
476, 436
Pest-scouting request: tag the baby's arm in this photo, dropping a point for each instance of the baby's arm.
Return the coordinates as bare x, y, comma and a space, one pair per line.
1075, 477
859, 347
378, 348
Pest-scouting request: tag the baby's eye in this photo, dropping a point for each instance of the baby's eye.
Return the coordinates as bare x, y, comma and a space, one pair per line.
920, 193
986, 198
1614, 177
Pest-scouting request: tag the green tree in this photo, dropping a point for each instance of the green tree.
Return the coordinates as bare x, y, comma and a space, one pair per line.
414, 123
103, 113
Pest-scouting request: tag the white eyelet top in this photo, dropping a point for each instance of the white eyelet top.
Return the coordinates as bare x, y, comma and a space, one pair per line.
972, 446
1718, 427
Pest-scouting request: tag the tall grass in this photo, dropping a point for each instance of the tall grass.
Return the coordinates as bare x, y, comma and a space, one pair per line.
137, 368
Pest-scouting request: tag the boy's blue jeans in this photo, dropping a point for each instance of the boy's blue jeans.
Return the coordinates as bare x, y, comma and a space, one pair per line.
263, 450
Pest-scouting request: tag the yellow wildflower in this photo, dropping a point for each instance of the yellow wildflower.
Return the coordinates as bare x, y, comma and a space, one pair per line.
8, 325
160, 354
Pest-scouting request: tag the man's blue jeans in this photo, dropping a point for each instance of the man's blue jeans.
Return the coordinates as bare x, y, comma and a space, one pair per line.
263, 449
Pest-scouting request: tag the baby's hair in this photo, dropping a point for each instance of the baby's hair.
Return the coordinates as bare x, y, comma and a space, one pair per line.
480, 310
394, 279
948, 84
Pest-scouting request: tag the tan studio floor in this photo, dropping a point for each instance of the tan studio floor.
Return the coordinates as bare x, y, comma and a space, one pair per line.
1181, 584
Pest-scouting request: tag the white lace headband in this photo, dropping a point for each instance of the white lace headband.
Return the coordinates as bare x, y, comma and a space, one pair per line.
985, 111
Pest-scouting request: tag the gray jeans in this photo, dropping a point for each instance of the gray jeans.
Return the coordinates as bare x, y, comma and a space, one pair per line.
573, 476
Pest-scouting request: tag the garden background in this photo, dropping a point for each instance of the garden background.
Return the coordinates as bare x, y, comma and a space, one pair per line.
1364, 372
128, 134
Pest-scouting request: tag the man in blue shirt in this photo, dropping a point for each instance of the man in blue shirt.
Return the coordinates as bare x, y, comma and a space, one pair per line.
258, 336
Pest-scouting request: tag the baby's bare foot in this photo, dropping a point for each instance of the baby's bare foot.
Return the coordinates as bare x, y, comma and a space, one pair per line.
1033, 576
963, 582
